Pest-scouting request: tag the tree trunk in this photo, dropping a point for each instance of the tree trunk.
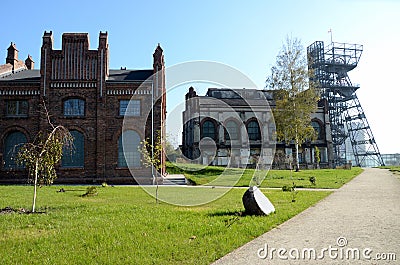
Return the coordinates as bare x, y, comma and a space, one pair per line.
35, 186
297, 157
156, 189
297, 152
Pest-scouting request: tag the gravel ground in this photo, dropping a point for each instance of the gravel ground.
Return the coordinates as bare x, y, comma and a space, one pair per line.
358, 224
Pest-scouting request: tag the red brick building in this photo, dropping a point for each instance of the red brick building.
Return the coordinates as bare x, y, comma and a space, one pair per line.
91, 100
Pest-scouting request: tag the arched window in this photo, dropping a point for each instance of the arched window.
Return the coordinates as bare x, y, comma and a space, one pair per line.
253, 130
317, 127
208, 130
12, 143
75, 156
74, 107
231, 131
128, 149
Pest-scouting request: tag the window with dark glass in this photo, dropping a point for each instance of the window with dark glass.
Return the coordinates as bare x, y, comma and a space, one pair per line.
74, 107
232, 131
17, 108
74, 157
324, 154
12, 144
208, 129
128, 149
301, 158
129, 107
253, 130
317, 128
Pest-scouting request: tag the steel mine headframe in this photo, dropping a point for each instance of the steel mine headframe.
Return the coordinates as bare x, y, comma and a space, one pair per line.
329, 66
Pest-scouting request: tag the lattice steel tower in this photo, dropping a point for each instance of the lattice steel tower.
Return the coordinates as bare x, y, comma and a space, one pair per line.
330, 66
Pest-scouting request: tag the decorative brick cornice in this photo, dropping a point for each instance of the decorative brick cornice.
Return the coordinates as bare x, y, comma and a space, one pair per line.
128, 92
19, 92
73, 84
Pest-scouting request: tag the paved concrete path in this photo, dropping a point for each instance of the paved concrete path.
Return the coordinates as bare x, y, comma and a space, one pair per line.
365, 213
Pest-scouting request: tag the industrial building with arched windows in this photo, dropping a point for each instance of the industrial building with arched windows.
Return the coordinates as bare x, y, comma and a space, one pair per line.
107, 111
235, 127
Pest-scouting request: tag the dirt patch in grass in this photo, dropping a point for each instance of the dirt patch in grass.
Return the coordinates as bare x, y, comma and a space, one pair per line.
10, 210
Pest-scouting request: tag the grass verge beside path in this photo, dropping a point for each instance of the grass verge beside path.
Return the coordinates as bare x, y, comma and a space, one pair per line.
325, 178
124, 225
394, 169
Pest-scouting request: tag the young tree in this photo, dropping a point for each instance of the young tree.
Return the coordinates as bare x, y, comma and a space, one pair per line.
296, 97
41, 156
317, 156
152, 157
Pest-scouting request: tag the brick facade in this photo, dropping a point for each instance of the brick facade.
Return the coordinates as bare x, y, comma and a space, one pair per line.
79, 73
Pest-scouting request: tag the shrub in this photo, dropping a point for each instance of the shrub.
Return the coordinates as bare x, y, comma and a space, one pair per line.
292, 190
90, 191
313, 180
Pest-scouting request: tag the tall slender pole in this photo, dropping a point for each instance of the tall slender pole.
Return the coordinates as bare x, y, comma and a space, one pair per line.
152, 133
152, 128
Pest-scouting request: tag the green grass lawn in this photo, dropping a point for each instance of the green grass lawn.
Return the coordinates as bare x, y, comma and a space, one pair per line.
124, 225
325, 178
394, 169
391, 168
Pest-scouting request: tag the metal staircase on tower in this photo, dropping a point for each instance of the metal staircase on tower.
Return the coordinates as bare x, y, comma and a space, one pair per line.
330, 66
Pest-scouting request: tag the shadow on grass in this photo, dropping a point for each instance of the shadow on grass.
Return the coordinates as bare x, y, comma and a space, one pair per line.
242, 213
227, 213
65, 190
10, 210
234, 216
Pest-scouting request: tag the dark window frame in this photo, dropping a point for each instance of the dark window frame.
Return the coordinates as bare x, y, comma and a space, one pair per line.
74, 157
20, 111
76, 107
205, 131
318, 130
10, 152
134, 110
253, 135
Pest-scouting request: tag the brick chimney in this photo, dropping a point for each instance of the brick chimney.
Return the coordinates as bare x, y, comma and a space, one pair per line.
191, 94
30, 64
12, 54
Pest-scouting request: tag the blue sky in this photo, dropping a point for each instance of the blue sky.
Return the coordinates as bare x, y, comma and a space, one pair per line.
244, 35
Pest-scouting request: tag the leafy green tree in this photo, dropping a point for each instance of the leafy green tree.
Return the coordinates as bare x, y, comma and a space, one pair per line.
171, 152
296, 97
41, 156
